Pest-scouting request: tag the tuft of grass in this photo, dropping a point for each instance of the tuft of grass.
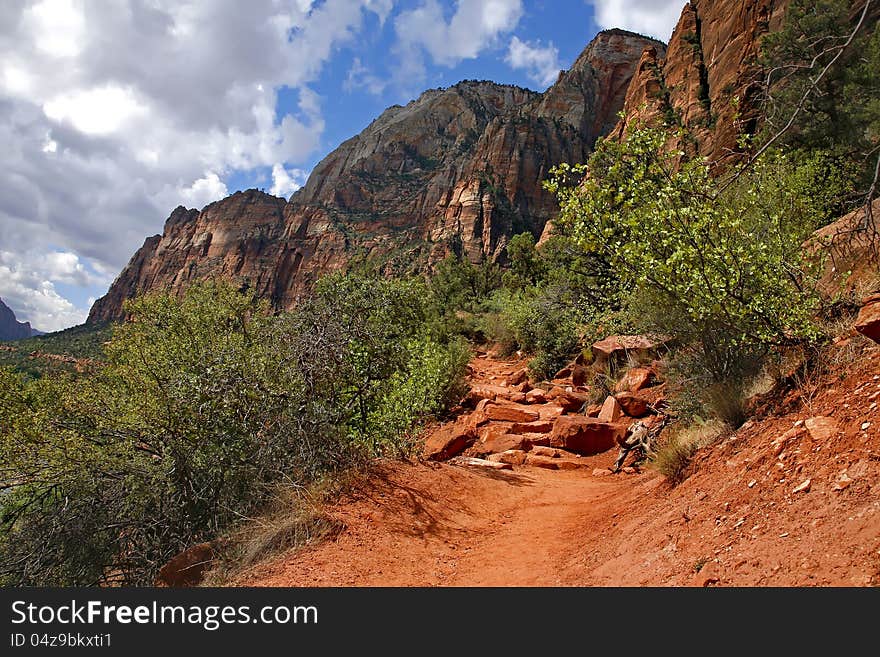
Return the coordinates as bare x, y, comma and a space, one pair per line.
601, 381
727, 402
699, 563
673, 456
293, 519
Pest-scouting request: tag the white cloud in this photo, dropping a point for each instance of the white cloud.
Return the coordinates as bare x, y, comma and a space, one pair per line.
541, 63
98, 111
64, 267
360, 77
113, 113
57, 27
27, 285
204, 190
655, 18
286, 181
474, 26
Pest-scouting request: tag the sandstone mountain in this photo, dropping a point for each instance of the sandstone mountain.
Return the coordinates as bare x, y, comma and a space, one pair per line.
458, 169
10, 327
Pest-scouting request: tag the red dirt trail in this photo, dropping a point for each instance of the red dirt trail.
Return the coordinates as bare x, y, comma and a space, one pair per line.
735, 520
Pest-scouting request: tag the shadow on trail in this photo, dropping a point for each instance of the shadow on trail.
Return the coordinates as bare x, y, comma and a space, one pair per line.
421, 513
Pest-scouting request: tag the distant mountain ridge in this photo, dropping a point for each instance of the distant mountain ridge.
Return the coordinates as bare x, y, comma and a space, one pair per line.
11, 328
456, 170
460, 169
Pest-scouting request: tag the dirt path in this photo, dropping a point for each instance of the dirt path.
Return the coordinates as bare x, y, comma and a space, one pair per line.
442, 524
736, 520
428, 525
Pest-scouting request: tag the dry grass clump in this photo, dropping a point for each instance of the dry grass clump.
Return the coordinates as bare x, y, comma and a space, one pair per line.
672, 457
294, 519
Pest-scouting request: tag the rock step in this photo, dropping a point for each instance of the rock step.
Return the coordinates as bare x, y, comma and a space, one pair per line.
585, 435
538, 426
471, 462
556, 463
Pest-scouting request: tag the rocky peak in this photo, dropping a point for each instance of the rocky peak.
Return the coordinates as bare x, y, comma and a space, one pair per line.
10, 327
457, 169
711, 60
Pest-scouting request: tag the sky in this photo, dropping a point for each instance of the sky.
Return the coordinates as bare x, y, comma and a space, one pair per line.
114, 112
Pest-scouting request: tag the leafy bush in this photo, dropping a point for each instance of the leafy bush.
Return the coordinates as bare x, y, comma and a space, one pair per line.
543, 323
725, 269
431, 382
206, 406
458, 284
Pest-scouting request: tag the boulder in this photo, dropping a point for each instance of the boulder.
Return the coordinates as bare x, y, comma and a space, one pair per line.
478, 417
611, 410
187, 568
533, 439
546, 451
511, 456
518, 377
822, 428
585, 435
616, 349
636, 379
632, 405
549, 411
868, 321
554, 392
489, 392
536, 396
449, 440
538, 426
496, 440
569, 399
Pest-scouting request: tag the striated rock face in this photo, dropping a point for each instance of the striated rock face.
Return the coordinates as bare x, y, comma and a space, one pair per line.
11, 328
711, 60
458, 169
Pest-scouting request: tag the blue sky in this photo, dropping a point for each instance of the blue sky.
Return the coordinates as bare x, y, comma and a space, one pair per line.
113, 113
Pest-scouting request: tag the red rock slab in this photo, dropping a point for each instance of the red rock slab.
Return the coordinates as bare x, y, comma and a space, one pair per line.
585, 435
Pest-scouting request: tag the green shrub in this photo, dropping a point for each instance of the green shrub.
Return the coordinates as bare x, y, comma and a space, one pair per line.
206, 406
543, 323
432, 381
723, 271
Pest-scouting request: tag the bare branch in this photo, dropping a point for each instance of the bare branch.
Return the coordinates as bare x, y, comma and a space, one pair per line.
814, 83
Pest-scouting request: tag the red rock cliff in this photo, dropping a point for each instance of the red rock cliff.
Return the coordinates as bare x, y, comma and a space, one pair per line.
711, 60
457, 169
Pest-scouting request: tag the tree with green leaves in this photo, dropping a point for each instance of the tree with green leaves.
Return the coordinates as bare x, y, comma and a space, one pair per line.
726, 270
822, 88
